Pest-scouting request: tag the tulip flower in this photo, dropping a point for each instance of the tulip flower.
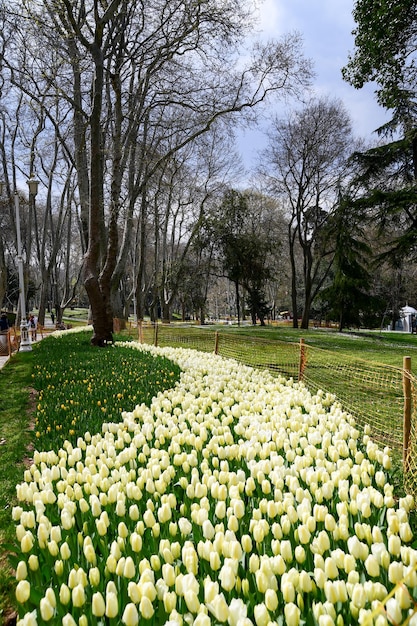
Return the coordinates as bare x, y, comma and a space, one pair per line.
112, 608
47, 611
130, 615
23, 591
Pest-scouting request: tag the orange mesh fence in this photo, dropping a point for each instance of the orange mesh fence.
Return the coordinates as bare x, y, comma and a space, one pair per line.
279, 357
373, 393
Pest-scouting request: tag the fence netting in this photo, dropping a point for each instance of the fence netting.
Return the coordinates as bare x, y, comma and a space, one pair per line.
372, 392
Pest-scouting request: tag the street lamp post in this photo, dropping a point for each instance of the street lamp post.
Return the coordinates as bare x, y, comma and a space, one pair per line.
25, 343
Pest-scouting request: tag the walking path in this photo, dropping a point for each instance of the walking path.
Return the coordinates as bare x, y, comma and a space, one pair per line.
4, 359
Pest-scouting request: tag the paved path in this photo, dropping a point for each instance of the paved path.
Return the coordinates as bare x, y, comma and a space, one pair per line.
4, 359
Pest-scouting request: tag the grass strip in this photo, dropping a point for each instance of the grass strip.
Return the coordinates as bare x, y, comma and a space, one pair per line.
15, 441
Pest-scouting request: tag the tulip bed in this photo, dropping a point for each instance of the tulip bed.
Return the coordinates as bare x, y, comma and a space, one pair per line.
79, 386
235, 498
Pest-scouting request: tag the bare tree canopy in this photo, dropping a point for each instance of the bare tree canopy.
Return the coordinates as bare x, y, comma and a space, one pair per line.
304, 164
128, 84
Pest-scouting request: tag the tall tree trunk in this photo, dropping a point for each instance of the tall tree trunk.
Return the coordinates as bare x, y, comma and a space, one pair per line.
237, 302
294, 303
3, 272
98, 291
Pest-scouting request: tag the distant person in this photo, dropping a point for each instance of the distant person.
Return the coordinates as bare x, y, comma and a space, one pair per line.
52, 317
33, 323
4, 322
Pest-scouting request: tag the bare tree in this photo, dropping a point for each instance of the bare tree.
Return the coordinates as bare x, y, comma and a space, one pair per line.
305, 162
131, 78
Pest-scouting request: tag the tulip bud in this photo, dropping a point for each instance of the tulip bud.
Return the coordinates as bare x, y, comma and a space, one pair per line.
170, 601
64, 594
227, 577
394, 545
292, 614
218, 607
288, 591
26, 543
98, 606
46, 609
23, 591
192, 601
111, 604
130, 615
271, 600
21, 570
261, 615
215, 562
129, 569
146, 608
246, 542
300, 554
330, 568
286, 551
65, 551
372, 566
78, 596
358, 596
393, 610
395, 572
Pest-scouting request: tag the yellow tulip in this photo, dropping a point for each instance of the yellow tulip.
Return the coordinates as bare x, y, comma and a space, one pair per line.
292, 614
218, 607
130, 615
21, 570
46, 609
78, 596
23, 591
146, 608
170, 601
112, 607
98, 605
271, 600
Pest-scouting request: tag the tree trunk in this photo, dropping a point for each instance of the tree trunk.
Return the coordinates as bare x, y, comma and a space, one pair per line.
3, 273
237, 302
166, 312
98, 291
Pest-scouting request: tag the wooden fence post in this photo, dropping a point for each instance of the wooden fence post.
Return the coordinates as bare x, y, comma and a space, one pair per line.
302, 362
216, 342
155, 341
407, 411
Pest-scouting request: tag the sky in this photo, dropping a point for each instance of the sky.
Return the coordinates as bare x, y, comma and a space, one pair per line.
326, 28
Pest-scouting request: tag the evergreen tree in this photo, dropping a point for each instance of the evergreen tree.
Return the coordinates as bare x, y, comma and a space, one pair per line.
348, 295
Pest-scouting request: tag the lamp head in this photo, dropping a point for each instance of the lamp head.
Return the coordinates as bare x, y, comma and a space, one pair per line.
33, 184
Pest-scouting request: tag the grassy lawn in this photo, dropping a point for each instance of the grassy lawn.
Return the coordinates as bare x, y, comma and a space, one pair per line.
379, 346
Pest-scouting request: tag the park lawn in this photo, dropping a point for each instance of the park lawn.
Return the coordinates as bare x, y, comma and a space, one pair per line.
384, 347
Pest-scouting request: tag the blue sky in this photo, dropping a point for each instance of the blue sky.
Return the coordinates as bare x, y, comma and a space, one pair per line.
325, 26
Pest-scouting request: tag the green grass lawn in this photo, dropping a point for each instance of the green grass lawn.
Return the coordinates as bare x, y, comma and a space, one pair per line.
380, 346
